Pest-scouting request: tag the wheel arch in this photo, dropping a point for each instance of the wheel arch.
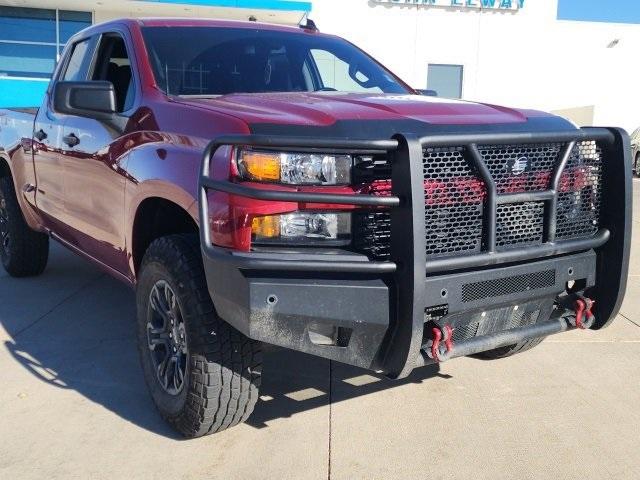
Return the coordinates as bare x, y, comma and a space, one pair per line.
157, 217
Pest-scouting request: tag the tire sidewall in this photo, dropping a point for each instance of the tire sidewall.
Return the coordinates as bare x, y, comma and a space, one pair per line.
7, 192
169, 405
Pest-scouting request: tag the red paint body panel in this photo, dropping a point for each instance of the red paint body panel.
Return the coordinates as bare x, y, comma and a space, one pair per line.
89, 196
324, 109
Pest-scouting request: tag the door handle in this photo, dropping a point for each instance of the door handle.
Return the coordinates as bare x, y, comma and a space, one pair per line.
71, 140
40, 135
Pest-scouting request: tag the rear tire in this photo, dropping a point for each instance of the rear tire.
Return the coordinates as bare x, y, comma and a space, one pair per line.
213, 380
24, 252
510, 350
636, 169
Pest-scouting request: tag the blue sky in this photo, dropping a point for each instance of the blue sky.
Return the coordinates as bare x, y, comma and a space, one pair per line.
624, 11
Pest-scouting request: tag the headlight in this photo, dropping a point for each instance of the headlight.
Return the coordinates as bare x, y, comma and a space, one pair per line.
303, 228
294, 168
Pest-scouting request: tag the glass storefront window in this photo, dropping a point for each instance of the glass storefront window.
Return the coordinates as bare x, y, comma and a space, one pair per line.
31, 39
71, 23
32, 61
27, 25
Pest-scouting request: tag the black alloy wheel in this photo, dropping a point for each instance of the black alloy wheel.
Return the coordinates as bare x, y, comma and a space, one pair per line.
167, 338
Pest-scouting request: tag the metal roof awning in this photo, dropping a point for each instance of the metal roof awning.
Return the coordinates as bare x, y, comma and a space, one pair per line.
274, 11
290, 12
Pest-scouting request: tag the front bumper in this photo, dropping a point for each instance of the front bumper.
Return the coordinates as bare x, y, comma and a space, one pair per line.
344, 307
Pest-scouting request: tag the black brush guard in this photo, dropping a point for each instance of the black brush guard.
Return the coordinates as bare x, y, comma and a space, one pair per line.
384, 301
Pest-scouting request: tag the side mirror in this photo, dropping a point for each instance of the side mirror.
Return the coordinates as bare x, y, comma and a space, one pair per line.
428, 93
95, 99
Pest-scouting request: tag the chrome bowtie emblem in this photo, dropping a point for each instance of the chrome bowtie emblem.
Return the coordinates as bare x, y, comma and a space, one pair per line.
520, 165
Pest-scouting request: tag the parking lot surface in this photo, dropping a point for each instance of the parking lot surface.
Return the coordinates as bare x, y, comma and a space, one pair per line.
73, 402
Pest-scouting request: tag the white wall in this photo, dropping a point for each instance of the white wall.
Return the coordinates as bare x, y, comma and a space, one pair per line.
523, 59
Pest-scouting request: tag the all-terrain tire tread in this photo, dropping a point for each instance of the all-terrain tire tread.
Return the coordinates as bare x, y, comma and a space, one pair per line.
225, 365
29, 250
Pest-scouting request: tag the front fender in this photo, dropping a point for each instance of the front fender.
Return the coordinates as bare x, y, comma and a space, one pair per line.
163, 170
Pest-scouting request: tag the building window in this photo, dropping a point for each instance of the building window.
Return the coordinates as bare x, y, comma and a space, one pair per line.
31, 39
446, 80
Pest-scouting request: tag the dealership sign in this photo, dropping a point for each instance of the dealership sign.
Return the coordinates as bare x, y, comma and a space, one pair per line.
478, 4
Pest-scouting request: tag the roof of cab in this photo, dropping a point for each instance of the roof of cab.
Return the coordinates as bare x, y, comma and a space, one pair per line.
199, 22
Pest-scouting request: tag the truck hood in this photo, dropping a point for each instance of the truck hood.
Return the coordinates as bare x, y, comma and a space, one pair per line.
286, 112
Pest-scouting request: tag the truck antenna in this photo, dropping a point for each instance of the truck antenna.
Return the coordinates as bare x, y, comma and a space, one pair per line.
309, 25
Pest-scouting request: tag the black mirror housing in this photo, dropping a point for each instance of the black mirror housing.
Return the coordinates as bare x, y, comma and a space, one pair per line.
95, 99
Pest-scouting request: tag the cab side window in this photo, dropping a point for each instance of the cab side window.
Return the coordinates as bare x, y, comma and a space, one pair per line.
78, 65
113, 65
336, 74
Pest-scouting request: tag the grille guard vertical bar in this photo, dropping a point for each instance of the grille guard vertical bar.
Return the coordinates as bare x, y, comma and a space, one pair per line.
551, 216
408, 250
613, 257
491, 205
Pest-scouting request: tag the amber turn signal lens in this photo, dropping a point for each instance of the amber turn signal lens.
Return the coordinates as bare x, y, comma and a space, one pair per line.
303, 228
266, 227
261, 166
290, 168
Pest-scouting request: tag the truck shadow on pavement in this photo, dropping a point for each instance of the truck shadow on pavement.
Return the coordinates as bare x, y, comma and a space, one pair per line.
294, 382
85, 342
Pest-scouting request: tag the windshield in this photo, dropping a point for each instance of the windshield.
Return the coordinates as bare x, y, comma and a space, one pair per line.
219, 61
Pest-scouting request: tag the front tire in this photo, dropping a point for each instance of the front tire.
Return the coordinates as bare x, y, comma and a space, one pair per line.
24, 252
203, 375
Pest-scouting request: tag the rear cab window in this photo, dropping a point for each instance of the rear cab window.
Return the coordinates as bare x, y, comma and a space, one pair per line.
113, 64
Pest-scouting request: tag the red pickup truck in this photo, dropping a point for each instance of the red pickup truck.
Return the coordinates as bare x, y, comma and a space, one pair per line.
268, 184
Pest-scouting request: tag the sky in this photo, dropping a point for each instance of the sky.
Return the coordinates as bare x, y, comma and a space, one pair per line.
622, 11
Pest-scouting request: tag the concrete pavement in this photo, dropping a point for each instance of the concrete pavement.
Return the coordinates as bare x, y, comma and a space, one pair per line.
74, 404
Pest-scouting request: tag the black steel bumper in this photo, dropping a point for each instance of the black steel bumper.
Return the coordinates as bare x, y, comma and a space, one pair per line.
375, 311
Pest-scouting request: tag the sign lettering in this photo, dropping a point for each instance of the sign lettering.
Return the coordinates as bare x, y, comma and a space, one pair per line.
512, 5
